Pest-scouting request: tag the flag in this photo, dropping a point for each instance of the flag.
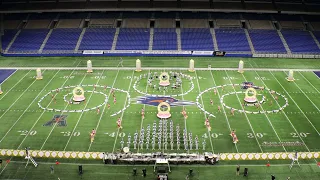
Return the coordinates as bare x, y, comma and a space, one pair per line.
8, 161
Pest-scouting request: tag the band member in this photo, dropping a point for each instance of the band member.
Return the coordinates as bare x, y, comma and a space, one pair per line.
98, 110
112, 91
57, 90
93, 132
257, 105
235, 139
207, 124
211, 102
52, 96
232, 111
92, 137
215, 91
108, 106
142, 113
233, 132
105, 87
119, 123
94, 87
54, 100
219, 108
276, 98
184, 113
114, 100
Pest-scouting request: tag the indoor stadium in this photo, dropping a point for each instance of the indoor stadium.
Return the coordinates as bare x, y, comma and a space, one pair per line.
160, 89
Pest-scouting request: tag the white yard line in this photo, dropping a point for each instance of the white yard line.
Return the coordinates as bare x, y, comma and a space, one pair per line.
61, 114
296, 104
114, 81
125, 103
254, 134
144, 107
224, 111
205, 115
13, 85
43, 113
9, 76
23, 111
309, 82
81, 114
274, 130
285, 114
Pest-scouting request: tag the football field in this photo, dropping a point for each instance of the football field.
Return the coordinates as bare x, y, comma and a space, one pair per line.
40, 114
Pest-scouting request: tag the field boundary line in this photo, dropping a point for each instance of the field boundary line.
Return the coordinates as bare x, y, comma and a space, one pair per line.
42, 114
268, 119
295, 103
255, 135
125, 103
114, 81
79, 119
23, 111
205, 115
144, 108
309, 82
224, 111
14, 84
285, 115
157, 68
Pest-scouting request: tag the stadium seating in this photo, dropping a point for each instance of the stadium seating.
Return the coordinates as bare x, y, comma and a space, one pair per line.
300, 41
232, 40
266, 41
165, 39
133, 39
8, 35
97, 39
196, 39
29, 40
63, 39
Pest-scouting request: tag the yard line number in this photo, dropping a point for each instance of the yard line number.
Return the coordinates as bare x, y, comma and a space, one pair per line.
68, 133
213, 135
122, 134
227, 78
259, 135
301, 134
261, 78
25, 133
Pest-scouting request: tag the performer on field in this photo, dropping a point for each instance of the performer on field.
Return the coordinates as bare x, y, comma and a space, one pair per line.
235, 139
219, 108
257, 105
93, 132
232, 111
207, 124
233, 132
184, 113
215, 91
142, 113
92, 137
114, 100
211, 102
270, 102
108, 106
119, 123
98, 110
105, 87
276, 97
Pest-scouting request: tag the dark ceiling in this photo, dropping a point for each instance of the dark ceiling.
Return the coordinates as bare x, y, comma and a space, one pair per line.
163, 5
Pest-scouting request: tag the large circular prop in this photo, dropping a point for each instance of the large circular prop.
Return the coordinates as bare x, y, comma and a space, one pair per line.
163, 114
250, 95
76, 96
164, 79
